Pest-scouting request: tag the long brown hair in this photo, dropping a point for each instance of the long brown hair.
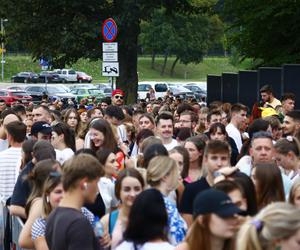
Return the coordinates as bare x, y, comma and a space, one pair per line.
199, 236
269, 184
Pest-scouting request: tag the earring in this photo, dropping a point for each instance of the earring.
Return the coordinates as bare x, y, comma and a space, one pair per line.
47, 199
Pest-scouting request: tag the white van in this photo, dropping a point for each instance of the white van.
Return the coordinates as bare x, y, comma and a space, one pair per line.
68, 75
160, 89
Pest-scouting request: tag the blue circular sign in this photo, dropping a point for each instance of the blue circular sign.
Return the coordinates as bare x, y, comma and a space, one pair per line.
109, 30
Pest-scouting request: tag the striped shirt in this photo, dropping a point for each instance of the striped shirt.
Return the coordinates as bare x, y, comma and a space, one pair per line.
10, 160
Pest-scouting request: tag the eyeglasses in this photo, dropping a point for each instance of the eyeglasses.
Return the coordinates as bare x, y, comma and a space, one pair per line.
119, 97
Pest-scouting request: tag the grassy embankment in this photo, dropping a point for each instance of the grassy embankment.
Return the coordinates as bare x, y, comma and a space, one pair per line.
190, 72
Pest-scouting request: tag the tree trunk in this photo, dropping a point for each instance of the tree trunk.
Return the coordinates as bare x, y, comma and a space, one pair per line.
164, 65
173, 66
128, 77
153, 60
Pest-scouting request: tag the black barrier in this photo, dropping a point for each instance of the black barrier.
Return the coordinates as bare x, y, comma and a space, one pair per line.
291, 80
214, 88
230, 87
271, 76
248, 87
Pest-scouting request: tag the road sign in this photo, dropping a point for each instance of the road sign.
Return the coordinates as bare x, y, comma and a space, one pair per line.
110, 57
109, 30
110, 47
110, 69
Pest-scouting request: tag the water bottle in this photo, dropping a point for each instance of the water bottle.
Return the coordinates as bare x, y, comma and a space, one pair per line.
98, 228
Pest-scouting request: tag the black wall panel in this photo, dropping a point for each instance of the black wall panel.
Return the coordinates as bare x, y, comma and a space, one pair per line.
230, 87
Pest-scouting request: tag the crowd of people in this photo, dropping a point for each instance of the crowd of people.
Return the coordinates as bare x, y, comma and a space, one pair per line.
163, 173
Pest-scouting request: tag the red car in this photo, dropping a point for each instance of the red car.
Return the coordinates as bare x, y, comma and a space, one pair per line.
15, 96
83, 77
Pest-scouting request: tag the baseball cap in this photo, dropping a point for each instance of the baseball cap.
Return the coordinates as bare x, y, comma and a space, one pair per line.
41, 127
117, 92
216, 202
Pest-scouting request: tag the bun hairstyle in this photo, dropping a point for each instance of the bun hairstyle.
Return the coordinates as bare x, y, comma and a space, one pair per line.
275, 222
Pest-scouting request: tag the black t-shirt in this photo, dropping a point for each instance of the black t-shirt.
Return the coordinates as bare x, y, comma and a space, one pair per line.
68, 229
190, 192
98, 207
22, 188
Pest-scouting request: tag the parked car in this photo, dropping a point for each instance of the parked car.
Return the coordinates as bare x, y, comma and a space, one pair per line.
82, 85
25, 77
107, 91
182, 92
159, 88
53, 92
68, 75
88, 93
199, 92
13, 96
49, 77
83, 77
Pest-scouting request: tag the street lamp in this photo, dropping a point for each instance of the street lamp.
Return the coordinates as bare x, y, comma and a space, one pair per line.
2, 47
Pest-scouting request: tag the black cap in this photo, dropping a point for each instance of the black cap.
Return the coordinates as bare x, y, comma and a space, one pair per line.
214, 201
41, 127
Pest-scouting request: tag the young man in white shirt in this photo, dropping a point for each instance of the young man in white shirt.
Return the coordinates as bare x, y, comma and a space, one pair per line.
238, 118
164, 130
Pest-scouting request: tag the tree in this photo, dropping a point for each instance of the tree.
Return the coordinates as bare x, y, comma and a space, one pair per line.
188, 37
265, 30
66, 30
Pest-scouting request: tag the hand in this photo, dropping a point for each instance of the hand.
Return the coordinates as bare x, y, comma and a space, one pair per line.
105, 240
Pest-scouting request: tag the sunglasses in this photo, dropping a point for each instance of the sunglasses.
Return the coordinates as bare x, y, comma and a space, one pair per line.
119, 97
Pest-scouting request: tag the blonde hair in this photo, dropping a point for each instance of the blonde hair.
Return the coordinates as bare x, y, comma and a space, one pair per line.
277, 221
159, 167
294, 188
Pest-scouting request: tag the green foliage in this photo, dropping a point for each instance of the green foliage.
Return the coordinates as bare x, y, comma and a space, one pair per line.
188, 37
266, 30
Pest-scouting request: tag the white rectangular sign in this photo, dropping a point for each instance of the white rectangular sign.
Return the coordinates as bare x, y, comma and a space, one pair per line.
110, 47
110, 69
110, 57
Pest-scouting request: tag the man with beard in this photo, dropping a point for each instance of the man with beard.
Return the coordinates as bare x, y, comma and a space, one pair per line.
291, 123
117, 97
267, 96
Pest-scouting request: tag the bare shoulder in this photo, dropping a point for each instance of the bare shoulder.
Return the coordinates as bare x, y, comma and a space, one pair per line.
182, 246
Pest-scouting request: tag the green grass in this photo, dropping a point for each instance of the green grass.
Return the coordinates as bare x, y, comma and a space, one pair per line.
194, 72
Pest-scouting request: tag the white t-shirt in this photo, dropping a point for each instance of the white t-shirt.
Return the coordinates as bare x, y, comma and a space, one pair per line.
3, 144
235, 134
63, 155
171, 145
10, 160
147, 246
107, 190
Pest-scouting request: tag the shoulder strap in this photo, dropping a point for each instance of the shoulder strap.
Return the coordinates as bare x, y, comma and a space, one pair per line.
112, 221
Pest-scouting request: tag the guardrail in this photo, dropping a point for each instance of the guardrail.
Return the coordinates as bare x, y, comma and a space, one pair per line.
11, 229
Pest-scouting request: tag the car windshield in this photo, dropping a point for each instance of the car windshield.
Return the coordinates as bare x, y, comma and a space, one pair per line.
161, 87
56, 89
94, 91
19, 93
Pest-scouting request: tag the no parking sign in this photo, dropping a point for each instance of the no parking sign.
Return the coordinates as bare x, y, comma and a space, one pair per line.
109, 30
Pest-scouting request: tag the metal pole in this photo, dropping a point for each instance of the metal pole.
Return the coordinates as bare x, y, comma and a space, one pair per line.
2, 52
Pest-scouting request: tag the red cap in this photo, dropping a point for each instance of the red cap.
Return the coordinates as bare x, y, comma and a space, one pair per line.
117, 92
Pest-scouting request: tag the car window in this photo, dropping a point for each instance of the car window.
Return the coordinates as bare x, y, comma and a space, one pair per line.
81, 91
2, 93
94, 91
144, 87
74, 91
35, 89
19, 93
161, 87
72, 72
56, 89
64, 72
107, 90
